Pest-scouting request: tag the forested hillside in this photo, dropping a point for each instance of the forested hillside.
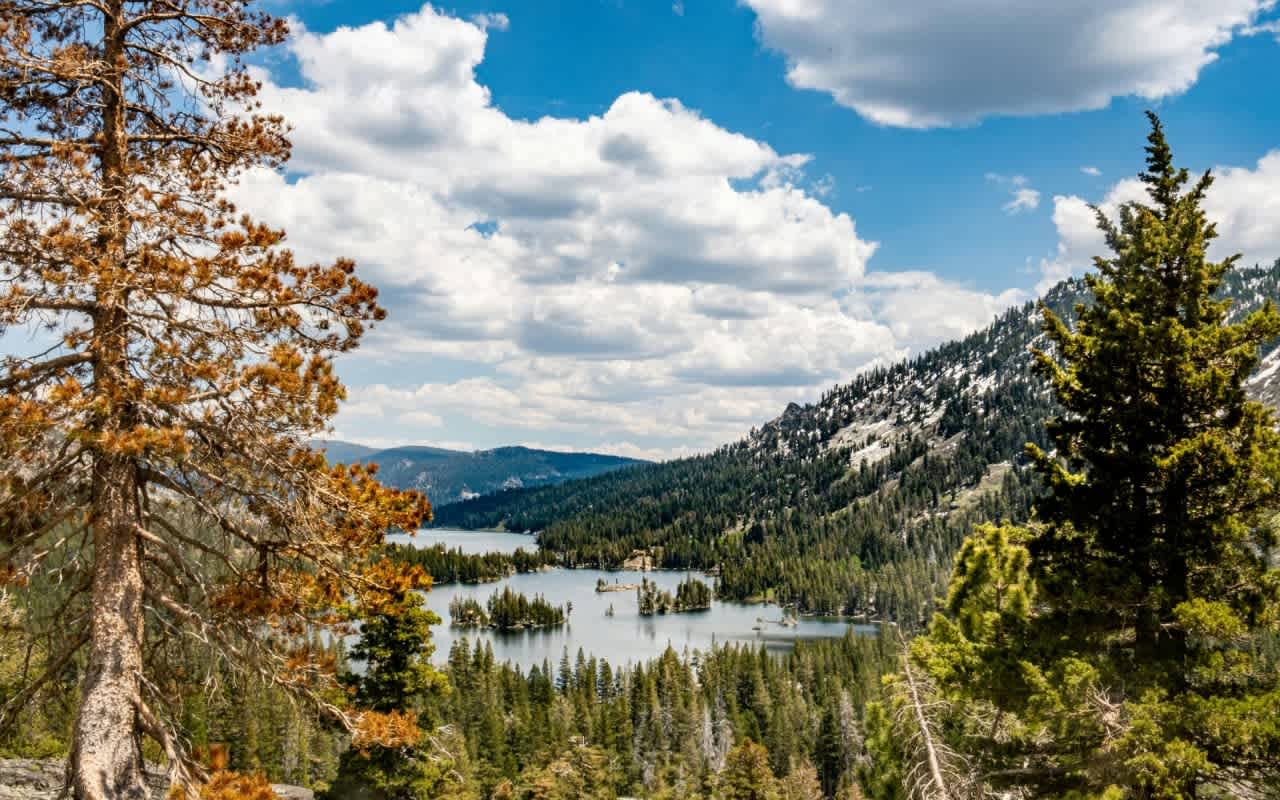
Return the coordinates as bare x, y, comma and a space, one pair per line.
189, 586
448, 476
854, 503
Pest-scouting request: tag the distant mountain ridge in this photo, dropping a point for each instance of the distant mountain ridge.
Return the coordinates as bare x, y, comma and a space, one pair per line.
450, 476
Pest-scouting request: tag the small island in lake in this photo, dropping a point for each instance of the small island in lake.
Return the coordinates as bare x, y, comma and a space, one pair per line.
691, 595
604, 586
506, 611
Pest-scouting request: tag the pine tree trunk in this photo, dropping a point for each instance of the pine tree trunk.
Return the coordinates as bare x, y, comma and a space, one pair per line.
106, 757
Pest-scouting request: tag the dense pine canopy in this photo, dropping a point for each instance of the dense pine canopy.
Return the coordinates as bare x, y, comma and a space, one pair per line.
1124, 643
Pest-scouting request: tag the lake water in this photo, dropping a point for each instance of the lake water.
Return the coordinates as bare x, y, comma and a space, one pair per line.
625, 637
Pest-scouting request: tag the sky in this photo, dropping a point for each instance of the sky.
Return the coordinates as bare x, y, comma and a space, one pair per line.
643, 226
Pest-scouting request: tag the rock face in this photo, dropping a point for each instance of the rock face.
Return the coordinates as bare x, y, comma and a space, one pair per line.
30, 779
22, 779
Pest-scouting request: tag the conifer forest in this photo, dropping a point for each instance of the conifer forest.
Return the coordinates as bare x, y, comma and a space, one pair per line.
1030, 550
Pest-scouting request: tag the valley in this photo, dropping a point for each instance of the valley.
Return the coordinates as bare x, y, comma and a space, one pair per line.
962, 499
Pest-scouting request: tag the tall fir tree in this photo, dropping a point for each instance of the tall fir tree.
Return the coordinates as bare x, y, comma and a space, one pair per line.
1165, 475
1118, 647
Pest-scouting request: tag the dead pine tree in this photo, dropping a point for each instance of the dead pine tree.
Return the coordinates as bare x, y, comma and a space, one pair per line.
153, 457
932, 770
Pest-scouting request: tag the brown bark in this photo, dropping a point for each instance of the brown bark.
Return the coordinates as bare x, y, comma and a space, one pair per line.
205, 374
106, 757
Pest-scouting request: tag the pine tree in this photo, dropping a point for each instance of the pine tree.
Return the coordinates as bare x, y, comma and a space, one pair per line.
188, 361
881, 774
829, 752
1164, 471
747, 775
397, 679
1118, 647
1157, 551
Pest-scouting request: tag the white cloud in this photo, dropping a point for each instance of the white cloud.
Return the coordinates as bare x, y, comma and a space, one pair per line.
936, 63
643, 276
1246, 205
497, 22
1021, 196
1272, 27
1243, 201
1092, 172
920, 308
1023, 200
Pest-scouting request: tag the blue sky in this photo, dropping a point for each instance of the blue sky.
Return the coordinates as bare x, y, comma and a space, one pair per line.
644, 227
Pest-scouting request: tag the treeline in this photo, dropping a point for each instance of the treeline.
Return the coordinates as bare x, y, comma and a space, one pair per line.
467, 612
265, 729
665, 728
446, 565
679, 726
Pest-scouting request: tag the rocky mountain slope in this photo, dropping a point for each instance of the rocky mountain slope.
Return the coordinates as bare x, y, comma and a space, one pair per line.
448, 476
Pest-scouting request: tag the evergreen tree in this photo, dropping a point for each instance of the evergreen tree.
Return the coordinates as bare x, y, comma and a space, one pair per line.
1165, 474
397, 680
881, 773
747, 775
801, 783
1119, 647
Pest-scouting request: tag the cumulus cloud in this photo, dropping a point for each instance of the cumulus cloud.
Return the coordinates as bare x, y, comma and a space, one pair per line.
641, 276
1243, 201
937, 63
1246, 205
1092, 172
919, 307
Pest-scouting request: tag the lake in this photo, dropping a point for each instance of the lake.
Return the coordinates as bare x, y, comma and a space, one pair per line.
625, 637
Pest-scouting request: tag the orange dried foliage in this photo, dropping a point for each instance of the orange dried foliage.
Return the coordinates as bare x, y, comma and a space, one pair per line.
226, 785
391, 729
195, 357
222, 783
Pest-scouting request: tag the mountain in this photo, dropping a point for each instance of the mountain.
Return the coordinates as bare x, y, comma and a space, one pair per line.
854, 503
449, 476
344, 452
